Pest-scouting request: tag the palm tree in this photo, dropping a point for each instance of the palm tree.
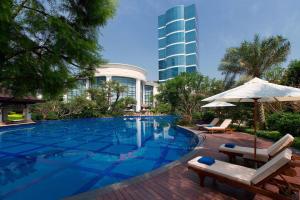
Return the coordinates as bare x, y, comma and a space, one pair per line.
254, 59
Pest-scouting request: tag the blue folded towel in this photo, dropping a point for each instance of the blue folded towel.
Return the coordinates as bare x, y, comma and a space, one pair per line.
206, 160
230, 145
209, 125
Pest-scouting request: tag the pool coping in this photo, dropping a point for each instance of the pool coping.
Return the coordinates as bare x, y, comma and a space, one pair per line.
94, 193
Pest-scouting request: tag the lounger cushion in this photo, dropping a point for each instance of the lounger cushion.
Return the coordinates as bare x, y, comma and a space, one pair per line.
272, 166
247, 152
280, 144
228, 170
214, 128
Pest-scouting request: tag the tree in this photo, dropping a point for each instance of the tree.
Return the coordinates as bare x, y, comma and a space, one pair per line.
253, 59
292, 74
274, 74
184, 93
47, 45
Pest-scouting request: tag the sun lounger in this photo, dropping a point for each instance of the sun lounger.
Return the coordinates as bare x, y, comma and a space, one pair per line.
212, 123
221, 128
251, 179
262, 155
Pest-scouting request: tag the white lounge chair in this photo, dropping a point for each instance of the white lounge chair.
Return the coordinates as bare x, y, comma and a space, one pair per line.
221, 128
251, 179
262, 155
212, 123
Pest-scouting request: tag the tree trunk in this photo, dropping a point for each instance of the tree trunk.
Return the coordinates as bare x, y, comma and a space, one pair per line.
262, 117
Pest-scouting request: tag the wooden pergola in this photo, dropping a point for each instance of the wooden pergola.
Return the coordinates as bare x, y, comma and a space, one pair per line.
8, 101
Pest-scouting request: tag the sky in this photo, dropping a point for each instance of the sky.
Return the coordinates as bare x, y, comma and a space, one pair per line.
131, 36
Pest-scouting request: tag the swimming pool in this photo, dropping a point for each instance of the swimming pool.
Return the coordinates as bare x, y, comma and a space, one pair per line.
56, 159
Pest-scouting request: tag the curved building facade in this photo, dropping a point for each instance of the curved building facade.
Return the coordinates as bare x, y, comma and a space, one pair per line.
177, 42
130, 76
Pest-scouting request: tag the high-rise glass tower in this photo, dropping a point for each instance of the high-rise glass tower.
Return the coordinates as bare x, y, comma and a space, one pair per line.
177, 42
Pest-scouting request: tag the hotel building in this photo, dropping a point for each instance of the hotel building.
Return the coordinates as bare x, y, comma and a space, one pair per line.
133, 77
177, 42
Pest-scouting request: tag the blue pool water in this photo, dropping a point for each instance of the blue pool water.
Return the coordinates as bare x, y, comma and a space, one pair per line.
56, 159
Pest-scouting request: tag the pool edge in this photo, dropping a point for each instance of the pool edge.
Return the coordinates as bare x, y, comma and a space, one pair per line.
93, 193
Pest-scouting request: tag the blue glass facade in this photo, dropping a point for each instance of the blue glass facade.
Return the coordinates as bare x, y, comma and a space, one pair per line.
177, 42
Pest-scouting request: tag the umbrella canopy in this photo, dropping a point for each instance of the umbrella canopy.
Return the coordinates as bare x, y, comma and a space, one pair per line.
215, 104
258, 89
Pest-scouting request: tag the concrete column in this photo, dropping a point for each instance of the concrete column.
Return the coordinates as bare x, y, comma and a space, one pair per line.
26, 113
138, 95
108, 78
144, 92
88, 86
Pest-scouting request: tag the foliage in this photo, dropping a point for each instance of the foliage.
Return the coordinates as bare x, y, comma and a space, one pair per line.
254, 58
274, 74
164, 108
285, 123
268, 134
185, 92
50, 43
97, 102
292, 75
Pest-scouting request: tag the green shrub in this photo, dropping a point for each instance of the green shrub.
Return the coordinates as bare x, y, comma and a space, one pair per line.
208, 116
197, 116
272, 135
52, 116
36, 116
285, 122
297, 143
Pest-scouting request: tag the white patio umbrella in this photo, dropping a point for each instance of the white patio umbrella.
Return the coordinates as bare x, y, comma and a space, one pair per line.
215, 104
257, 90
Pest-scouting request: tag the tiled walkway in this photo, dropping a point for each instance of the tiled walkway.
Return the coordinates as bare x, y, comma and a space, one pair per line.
180, 183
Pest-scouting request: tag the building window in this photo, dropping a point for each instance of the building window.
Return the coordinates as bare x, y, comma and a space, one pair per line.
175, 49
175, 26
149, 95
98, 82
78, 90
129, 83
175, 13
191, 60
191, 48
190, 36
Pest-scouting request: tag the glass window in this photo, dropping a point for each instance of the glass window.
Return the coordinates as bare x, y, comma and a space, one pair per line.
161, 32
162, 43
148, 95
175, 37
190, 36
191, 59
162, 75
191, 69
130, 85
161, 53
175, 26
190, 24
175, 49
191, 48
98, 81
175, 13
190, 11
161, 20
162, 64
78, 90
175, 61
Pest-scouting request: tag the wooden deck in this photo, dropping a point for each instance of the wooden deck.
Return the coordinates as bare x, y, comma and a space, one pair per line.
180, 183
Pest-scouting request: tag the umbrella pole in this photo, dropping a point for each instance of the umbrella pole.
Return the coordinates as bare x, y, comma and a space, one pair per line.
254, 126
